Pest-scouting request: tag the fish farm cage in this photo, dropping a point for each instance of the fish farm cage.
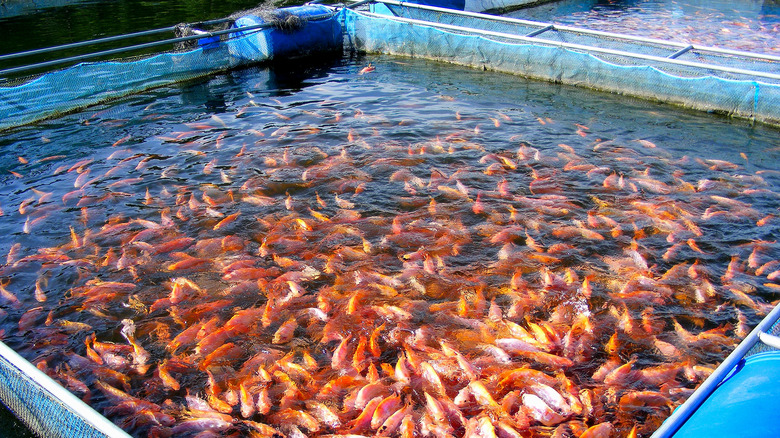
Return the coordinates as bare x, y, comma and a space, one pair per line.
50, 410
735, 83
44, 406
730, 82
741, 387
198, 50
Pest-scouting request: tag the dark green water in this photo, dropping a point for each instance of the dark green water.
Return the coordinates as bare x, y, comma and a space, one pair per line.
24, 28
11, 427
80, 21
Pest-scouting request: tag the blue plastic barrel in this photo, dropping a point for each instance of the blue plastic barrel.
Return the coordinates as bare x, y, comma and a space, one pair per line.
317, 34
744, 405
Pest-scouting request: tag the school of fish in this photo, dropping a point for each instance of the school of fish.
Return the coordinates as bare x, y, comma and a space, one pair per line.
313, 277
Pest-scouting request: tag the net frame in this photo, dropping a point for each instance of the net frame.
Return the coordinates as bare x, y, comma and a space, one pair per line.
44, 406
88, 83
729, 82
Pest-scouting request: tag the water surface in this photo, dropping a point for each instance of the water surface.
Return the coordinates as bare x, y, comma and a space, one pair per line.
41, 25
448, 203
742, 25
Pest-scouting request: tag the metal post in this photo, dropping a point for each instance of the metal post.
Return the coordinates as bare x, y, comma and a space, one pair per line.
540, 31
356, 4
680, 52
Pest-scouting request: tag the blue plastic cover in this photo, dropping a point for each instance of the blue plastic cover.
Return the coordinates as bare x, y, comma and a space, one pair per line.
250, 44
209, 42
317, 35
744, 405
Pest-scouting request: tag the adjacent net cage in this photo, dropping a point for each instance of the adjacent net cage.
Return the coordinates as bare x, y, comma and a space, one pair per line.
44, 406
254, 37
730, 82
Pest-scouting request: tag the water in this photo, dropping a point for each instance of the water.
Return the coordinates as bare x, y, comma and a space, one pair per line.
404, 105
743, 25
40, 26
24, 28
27, 25
394, 162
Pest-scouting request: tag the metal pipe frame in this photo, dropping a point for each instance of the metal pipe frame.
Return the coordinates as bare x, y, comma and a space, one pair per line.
359, 3
540, 24
680, 52
49, 385
84, 43
540, 31
580, 47
257, 27
101, 40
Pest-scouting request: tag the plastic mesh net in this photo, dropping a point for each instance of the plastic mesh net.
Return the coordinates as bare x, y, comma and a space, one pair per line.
691, 87
90, 83
313, 29
42, 412
761, 347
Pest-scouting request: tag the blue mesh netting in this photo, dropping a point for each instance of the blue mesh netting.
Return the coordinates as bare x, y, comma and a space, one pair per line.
89, 83
687, 86
761, 347
43, 412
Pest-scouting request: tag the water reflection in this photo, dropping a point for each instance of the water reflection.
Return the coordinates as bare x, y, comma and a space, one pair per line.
53, 26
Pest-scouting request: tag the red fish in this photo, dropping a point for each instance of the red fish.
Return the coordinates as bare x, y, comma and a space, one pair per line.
368, 69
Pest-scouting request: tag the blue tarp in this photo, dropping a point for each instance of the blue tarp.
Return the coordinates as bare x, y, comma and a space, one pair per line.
743, 405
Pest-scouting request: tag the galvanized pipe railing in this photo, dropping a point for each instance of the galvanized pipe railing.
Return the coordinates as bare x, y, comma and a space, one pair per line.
101, 40
581, 47
675, 44
92, 55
